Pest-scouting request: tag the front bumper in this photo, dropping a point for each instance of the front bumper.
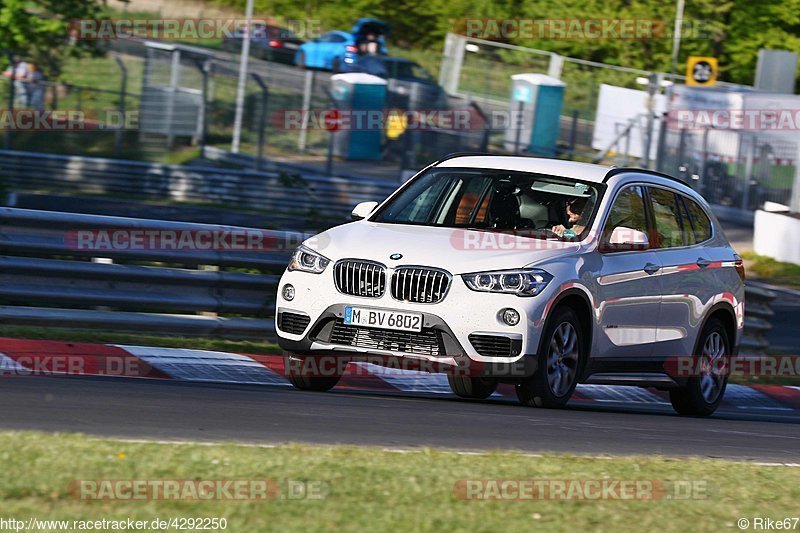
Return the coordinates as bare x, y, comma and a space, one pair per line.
455, 322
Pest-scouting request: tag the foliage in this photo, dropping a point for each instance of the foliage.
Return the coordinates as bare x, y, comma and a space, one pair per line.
731, 30
38, 31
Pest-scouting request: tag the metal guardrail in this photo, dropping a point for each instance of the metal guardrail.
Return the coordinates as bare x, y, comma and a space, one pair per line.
757, 319
45, 279
317, 200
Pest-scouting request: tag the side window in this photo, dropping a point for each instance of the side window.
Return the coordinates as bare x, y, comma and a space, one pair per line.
468, 211
700, 221
627, 212
669, 226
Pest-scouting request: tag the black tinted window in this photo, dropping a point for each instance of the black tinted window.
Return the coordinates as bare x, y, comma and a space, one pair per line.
667, 212
701, 225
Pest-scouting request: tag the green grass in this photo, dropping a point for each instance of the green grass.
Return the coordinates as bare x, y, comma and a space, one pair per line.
369, 489
198, 343
769, 270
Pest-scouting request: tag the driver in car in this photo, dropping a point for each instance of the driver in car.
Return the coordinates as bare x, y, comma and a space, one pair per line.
575, 225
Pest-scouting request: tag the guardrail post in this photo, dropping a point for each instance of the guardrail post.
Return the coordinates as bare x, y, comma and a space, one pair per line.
308, 90
262, 119
122, 93
11, 97
756, 320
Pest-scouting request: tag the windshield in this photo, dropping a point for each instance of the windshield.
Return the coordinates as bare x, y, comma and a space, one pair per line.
531, 204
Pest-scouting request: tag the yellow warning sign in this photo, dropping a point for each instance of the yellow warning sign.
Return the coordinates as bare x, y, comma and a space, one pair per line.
702, 71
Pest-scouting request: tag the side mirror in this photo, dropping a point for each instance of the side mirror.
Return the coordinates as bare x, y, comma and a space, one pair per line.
363, 210
624, 239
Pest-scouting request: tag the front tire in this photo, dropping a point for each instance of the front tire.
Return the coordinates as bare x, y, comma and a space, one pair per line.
702, 394
472, 388
301, 60
559, 363
308, 383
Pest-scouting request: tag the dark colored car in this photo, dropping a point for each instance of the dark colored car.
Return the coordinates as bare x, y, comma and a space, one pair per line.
271, 43
409, 85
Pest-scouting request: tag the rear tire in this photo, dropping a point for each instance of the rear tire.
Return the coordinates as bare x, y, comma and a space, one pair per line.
472, 388
336, 65
702, 394
560, 362
308, 383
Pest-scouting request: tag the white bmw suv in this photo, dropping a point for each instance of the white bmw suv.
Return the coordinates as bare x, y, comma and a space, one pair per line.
536, 272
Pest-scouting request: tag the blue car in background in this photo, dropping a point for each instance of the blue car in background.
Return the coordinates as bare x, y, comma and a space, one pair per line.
336, 49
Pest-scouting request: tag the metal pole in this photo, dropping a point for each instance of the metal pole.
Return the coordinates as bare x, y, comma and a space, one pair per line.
748, 172
573, 133
676, 42
262, 119
123, 91
11, 96
652, 89
520, 107
662, 144
237, 121
308, 90
795, 201
204, 68
329, 158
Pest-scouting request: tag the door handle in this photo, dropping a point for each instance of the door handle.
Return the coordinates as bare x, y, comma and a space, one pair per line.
703, 263
651, 269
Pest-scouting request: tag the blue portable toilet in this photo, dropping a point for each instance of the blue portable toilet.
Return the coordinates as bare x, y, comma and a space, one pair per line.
361, 99
539, 98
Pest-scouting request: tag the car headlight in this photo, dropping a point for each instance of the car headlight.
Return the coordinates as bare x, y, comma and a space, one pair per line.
524, 282
307, 260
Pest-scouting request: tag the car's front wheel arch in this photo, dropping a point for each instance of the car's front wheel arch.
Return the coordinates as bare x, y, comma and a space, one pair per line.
579, 302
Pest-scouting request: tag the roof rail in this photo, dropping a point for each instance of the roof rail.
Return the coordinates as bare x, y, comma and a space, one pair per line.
619, 170
453, 155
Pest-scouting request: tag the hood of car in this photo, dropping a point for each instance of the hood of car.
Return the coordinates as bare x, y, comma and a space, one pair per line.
458, 251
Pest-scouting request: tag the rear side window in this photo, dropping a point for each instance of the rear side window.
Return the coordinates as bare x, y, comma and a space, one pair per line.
701, 225
667, 213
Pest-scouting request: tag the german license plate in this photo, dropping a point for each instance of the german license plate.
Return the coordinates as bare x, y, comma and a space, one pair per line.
379, 318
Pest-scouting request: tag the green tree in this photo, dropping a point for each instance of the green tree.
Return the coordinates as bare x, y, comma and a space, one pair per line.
39, 31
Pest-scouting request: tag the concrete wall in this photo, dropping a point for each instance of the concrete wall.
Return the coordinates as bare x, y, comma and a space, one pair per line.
777, 235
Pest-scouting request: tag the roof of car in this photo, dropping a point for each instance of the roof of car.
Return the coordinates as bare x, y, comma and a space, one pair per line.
538, 165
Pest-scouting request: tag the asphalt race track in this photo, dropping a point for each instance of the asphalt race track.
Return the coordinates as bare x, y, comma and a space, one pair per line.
170, 410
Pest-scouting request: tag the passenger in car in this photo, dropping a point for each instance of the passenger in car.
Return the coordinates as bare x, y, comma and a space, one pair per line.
575, 225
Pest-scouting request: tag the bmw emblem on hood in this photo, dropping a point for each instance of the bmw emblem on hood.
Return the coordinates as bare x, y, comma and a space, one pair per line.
395, 257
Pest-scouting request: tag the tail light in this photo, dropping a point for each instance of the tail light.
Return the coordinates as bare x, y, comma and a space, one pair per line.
739, 264
275, 44
351, 48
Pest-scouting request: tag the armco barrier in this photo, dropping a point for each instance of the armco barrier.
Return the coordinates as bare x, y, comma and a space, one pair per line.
757, 319
46, 280
318, 201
